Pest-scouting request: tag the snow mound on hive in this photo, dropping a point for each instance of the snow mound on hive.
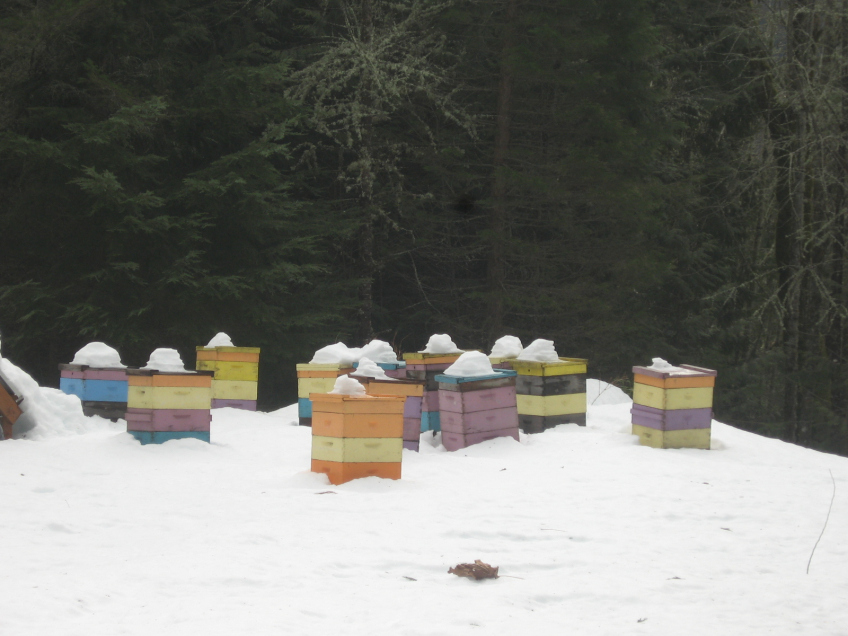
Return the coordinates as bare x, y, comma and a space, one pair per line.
377, 351
441, 343
346, 385
664, 367
507, 347
168, 360
221, 340
99, 355
471, 364
540, 350
369, 369
47, 412
338, 353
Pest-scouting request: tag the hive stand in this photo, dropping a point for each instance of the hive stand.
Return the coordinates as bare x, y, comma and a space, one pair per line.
424, 367
413, 391
103, 391
162, 405
355, 437
315, 378
550, 393
10, 409
673, 409
235, 383
477, 409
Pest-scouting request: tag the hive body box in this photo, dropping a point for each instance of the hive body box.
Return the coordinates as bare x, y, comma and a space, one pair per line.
355, 437
10, 410
162, 406
103, 391
550, 393
424, 367
236, 378
501, 363
673, 409
413, 392
477, 409
315, 378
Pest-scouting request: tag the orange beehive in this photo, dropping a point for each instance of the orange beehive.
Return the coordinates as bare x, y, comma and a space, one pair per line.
357, 436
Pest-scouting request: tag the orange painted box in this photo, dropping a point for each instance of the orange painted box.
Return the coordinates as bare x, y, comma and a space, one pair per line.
406, 388
341, 472
357, 424
348, 404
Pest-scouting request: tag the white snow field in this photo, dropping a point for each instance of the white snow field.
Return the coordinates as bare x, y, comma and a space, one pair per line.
593, 534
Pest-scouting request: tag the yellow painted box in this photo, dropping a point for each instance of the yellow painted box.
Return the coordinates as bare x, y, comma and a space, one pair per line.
565, 366
672, 399
169, 397
338, 403
546, 405
227, 370
229, 354
305, 386
234, 390
687, 438
357, 449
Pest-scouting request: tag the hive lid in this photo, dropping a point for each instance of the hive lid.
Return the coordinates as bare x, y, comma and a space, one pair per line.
682, 371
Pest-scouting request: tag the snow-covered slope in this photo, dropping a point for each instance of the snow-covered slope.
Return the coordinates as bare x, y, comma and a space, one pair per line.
101, 536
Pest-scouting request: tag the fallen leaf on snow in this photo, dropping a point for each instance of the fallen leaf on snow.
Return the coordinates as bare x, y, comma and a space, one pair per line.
477, 570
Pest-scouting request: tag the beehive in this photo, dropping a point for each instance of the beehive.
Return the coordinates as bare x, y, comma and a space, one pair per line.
413, 392
550, 393
103, 391
315, 378
236, 369
10, 410
162, 406
424, 367
476, 409
357, 436
673, 409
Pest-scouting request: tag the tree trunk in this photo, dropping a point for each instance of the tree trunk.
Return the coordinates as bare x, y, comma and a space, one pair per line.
496, 270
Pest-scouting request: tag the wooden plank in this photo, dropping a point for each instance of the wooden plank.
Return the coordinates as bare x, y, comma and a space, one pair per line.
9, 408
254, 350
458, 441
688, 371
340, 473
689, 438
325, 367
357, 449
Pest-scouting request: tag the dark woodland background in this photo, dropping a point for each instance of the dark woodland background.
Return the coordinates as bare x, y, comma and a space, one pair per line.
629, 178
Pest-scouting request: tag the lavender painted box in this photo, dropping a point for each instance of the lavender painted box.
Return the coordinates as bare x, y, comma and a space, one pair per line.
410, 445
75, 374
457, 441
471, 401
430, 401
411, 428
479, 421
672, 420
413, 407
116, 375
244, 405
168, 420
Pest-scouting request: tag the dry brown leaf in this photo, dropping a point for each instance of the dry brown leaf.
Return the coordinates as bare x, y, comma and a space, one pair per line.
477, 570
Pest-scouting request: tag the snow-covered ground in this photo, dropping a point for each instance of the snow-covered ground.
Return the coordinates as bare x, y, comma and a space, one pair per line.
593, 534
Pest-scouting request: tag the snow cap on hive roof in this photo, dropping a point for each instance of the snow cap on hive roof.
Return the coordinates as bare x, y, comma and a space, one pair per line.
168, 360
99, 355
471, 364
507, 347
369, 369
345, 385
441, 343
540, 350
221, 340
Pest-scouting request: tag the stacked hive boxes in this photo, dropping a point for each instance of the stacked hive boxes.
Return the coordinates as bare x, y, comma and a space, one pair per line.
477, 409
424, 367
357, 436
162, 406
315, 378
413, 392
550, 393
103, 391
236, 376
673, 408
10, 410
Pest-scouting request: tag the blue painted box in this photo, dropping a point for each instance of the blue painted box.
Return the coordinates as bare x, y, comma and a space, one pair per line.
105, 391
72, 386
160, 437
